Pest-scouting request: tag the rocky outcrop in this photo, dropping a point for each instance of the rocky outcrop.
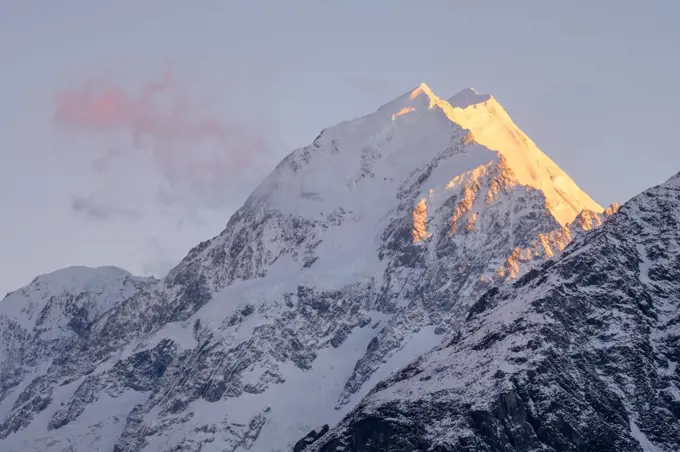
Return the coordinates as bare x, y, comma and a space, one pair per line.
579, 354
357, 254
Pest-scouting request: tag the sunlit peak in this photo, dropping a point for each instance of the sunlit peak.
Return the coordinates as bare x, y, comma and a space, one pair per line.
422, 89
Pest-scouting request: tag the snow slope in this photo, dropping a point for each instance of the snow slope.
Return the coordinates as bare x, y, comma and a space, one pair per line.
57, 308
357, 254
492, 127
579, 354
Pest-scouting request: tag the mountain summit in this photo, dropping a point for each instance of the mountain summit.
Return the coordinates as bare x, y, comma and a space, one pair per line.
357, 254
492, 127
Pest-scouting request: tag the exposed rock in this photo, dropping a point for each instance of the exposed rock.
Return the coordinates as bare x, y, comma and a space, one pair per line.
357, 254
578, 355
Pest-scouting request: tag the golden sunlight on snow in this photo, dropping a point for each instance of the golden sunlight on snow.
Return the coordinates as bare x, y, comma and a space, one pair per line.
425, 90
587, 220
547, 245
403, 111
465, 205
468, 138
493, 128
520, 163
419, 231
472, 221
489, 125
612, 209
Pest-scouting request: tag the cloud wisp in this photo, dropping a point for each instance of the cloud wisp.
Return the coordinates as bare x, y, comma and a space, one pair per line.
101, 209
206, 159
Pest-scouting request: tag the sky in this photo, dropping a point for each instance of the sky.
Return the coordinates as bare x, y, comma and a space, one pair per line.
131, 131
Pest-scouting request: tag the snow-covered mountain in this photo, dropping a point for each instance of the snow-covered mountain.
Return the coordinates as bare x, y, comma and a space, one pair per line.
580, 354
358, 254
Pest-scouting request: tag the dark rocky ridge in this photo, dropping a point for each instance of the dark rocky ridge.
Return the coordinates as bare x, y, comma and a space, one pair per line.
580, 354
282, 303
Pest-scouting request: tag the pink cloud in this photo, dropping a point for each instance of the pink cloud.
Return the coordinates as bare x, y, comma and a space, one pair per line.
195, 149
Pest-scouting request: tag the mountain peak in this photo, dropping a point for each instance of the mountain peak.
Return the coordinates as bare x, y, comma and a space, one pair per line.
358, 253
422, 89
421, 96
493, 128
52, 300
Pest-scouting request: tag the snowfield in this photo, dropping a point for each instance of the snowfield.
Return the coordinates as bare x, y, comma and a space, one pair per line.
347, 275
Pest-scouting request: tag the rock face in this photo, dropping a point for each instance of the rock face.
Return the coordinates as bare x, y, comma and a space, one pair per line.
358, 254
579, 354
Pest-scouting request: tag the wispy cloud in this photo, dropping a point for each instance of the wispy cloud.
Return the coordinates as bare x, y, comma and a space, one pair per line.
204, 157
99, 208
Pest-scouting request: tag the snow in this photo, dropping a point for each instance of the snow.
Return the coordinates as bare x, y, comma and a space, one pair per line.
12, 395
492, 127
109, 411
312, 393
673, 182
645, 443
106, 285
422, 342
645, 264
180, 333
467, 370
391, 143
355, 171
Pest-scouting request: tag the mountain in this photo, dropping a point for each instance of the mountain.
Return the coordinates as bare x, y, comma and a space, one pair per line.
358, 254
579, 354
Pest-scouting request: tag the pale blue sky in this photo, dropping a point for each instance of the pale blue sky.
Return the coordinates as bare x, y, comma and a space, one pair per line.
594, 83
